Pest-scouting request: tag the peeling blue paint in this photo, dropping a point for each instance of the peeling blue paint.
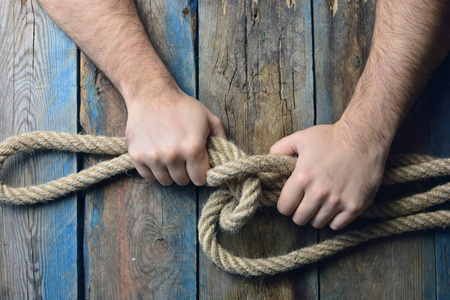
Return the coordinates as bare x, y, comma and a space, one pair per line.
59, 257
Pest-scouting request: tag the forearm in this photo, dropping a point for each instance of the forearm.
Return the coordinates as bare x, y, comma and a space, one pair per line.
411, 38
167, 130
113, 37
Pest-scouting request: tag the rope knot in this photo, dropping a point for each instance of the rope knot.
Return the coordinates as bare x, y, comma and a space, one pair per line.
247, 182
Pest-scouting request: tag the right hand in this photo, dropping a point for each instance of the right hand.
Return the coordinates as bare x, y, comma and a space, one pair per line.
167, 134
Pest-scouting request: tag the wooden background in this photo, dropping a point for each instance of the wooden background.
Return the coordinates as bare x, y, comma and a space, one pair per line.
267, 68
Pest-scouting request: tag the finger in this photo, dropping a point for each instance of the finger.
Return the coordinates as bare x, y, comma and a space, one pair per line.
291, 195
161, 174
306, 210
197, 166
178, 173
324, 215
216, 126
285, 146
145, 172
341, 220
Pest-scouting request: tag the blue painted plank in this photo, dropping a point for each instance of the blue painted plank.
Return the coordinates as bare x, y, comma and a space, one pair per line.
140, 239
180, 35
39, 92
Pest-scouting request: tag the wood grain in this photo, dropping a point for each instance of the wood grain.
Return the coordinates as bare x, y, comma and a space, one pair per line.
140, 238
255, 72
437, 95
265, 67
38, 84
400, 267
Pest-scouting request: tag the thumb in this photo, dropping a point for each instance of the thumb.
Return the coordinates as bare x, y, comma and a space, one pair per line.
216, 126
285, 146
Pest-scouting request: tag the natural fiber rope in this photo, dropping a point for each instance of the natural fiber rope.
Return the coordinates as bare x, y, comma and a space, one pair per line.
246, 183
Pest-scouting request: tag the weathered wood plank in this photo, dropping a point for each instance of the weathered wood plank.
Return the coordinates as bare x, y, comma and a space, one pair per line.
398, 267
255, 72
38, 84
140, 238
437, 94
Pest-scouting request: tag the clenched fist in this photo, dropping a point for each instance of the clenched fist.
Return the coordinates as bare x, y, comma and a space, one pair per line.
334, 179
167, 135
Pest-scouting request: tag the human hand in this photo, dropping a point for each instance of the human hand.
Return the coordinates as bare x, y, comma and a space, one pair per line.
336, 176
167, 134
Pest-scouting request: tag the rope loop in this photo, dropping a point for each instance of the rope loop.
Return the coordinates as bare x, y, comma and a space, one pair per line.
245, 183
249, 182
43, 140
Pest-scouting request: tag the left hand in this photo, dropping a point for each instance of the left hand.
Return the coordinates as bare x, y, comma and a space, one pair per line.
336, 176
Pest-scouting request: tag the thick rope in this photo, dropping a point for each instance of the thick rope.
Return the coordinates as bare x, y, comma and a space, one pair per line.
245, 183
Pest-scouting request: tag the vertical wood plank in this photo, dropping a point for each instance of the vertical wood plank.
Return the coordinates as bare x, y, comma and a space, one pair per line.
38, 84
437, 94
255, 73
140, 238
398, 267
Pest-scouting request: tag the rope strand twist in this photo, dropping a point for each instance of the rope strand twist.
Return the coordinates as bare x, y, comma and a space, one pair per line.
245, 183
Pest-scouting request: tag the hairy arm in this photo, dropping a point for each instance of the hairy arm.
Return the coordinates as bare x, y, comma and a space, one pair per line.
166, 129
340, 166
112, 35
410, 40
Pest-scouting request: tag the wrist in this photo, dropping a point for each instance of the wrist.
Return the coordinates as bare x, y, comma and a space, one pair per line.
373, 116
149, 84
358, 134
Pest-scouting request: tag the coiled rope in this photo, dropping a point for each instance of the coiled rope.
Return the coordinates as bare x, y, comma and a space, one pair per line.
245, 184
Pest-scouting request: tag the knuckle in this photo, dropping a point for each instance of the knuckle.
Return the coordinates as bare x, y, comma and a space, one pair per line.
165, 182
136, 155
303, 177
153, 157
182, 181
194, 146
335, 226
334, 201
143, 157
355, 207
316, 224
299, 221
150, 179
320, 192
198, 175
145, 174
199, 181
171, 156
282, 208
216, 121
